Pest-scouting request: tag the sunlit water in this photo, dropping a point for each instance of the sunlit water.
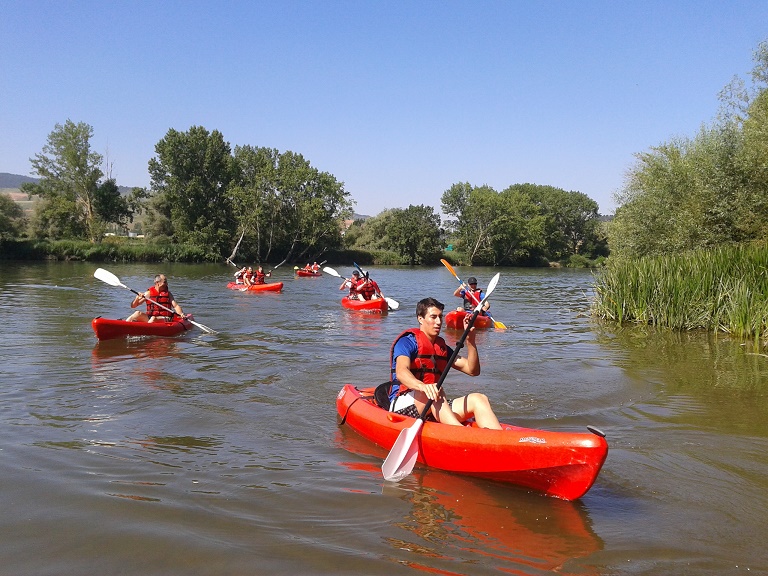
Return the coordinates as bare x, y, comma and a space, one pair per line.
221, 454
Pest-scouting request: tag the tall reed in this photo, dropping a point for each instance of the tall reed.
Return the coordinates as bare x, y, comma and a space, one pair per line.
724, 289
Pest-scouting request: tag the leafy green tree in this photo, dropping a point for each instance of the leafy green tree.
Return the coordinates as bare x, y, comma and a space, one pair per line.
69, 177
313, 206
190, 177
111, 206
12, 220
285, 205
704, 191
414, 233
572, 219
371, 233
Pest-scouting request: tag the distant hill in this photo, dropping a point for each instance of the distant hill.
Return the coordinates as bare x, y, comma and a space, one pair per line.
12, 182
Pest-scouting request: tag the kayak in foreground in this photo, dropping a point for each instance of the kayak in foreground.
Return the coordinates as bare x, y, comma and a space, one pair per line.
455, 320
107, 329
376, 305
268, 287
559, 464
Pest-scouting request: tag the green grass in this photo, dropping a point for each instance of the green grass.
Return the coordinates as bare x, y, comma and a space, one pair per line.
719, 290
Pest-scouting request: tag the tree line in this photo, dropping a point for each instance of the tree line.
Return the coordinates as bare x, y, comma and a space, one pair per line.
204, 195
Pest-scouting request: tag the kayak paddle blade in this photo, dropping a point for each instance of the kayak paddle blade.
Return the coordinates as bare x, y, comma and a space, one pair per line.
332, 272
393, 304
107, 277
402, 457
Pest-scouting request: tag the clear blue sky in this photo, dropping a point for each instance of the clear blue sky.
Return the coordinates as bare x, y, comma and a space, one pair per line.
397, 99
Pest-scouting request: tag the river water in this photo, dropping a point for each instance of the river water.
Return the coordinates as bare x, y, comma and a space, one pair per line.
221, 453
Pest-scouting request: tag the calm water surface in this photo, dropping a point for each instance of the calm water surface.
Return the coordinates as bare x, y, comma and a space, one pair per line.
221, 454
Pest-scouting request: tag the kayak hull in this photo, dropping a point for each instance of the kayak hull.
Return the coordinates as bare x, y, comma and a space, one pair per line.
455, 320
108, 329
560, 464
307, 274
376, 306
268, 287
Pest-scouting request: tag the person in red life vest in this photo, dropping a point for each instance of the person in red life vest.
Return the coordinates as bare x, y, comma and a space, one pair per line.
261, 277
315, 266
368, 289
418, 358
248, 277
351, 284
472, 297
159, 294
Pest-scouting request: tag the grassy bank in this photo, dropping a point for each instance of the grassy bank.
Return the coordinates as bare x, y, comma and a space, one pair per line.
719, 290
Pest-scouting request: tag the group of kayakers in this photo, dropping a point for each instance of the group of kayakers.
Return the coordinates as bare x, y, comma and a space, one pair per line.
247, 277
417, 358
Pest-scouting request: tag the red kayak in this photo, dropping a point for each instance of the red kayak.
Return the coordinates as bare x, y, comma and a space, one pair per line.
376, 305
455, 319
106, 329
301, 273
560, 464
268, 287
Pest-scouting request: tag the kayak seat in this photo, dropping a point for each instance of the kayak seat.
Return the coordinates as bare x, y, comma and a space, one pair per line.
381, 395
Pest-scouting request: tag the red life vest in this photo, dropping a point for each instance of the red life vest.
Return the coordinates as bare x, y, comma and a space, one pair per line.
259, 278
369, 289
469, 302
431, 359
163, 298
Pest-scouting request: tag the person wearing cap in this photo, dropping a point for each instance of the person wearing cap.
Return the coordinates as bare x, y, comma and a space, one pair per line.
351, 284
471, 297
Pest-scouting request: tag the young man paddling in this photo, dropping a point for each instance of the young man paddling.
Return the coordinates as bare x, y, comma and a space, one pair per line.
417, 360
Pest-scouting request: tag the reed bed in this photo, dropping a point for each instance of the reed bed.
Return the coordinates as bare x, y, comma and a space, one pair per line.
724, 289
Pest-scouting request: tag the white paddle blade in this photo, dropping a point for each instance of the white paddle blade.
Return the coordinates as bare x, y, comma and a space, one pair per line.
331, 271
393, 304
402, 457
107, 277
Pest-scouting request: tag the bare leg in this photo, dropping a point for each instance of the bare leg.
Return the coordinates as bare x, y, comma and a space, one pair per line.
477, 405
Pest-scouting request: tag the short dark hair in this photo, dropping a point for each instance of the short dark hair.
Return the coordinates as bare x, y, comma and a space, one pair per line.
426, 304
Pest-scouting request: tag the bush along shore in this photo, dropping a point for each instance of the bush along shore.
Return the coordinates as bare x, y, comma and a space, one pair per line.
724, 289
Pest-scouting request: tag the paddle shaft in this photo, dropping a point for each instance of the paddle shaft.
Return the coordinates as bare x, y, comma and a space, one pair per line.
451, 360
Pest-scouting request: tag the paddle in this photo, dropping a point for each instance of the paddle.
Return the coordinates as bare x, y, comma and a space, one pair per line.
402, 458
499, 325
391, 302
109, 278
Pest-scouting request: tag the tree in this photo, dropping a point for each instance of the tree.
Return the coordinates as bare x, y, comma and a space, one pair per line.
12, 220
572, 219
703, 191
69, 177
190, 178
286, 205
414, 233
